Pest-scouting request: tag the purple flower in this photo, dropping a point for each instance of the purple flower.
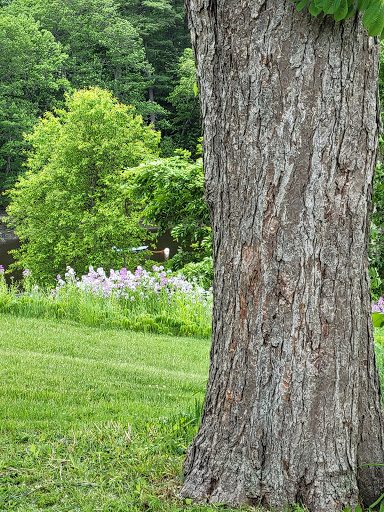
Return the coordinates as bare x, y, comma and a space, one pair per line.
379, 307
139, 286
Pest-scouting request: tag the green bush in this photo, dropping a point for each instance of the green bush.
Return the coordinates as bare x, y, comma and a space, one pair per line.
171, 191
202, 271
71, 208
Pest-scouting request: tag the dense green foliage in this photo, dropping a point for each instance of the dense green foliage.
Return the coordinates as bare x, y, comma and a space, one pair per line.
104, 49
163, 29
373, 18
376, 253
131, 49
171, 191
185, 128
70, 208
31, 82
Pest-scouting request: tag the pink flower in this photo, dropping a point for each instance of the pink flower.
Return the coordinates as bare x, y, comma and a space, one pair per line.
379, 307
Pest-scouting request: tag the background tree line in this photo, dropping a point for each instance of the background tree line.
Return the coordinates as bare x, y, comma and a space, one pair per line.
139, 50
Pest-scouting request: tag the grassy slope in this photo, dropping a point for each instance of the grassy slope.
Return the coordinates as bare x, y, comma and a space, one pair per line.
93, 419
97, 420
63, 374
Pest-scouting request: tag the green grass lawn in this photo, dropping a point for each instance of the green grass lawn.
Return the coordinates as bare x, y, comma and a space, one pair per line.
62, 375
97, 420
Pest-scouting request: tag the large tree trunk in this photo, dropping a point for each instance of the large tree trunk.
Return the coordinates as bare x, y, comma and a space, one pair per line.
290, 121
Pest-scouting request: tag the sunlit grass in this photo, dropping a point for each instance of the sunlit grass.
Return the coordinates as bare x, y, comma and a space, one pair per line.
98, 420
92, 419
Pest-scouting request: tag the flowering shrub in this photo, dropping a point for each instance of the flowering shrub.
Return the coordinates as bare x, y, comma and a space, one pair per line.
156, 301
379, 306
139, 285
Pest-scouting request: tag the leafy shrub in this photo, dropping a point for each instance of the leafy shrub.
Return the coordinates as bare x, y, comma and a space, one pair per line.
70, 208
202, 271
376, 249
171, 191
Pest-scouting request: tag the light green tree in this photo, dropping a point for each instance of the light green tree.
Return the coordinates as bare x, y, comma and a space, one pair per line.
71, 208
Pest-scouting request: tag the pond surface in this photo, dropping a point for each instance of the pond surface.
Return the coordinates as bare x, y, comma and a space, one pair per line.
9, 241
164, 241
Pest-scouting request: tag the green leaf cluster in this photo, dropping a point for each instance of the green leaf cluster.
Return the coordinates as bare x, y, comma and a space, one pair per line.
104, 49
373, 18
376, 248
161, 25
70, 208
185, 128
31, 63
171, 193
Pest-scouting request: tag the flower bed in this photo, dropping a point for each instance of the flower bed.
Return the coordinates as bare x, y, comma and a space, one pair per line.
156, 301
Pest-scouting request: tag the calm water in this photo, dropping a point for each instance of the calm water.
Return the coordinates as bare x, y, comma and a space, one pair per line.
5, 258
9, 242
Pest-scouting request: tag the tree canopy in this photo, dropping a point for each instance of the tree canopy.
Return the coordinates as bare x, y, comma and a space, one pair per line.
171, 191
70, 207
104, 49
131, 49
31, 64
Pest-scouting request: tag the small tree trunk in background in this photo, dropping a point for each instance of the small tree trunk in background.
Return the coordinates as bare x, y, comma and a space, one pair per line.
152, 115
290, 120
117, 80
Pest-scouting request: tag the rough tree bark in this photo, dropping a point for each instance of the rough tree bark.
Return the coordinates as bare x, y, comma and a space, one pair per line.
290, 120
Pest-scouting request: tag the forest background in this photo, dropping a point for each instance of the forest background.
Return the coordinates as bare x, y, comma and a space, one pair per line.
139, 50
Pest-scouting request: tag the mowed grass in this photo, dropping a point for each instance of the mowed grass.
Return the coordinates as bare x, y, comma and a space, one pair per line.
63, 374
95, 420
99, 420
